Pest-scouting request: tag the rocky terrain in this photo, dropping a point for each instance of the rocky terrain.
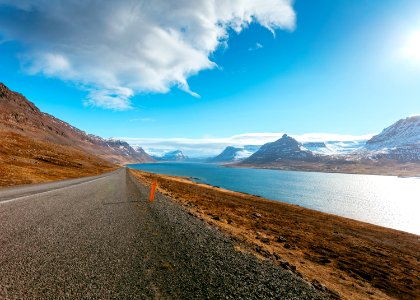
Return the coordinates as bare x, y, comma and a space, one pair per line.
176, 155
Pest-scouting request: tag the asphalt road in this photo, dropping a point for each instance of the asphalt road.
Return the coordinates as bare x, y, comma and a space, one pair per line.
99, 238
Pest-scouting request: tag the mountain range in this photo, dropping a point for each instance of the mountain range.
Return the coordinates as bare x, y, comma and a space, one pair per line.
38, 147
396, 150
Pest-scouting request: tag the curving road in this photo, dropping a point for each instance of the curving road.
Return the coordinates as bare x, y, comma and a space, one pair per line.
99, 238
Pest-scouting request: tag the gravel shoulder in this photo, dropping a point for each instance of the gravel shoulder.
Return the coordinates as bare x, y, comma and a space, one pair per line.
103, 239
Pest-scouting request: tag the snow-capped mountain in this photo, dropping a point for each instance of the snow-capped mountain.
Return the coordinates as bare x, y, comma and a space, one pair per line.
175, 155
405, 132
232, 154
400, 141
334, 147
124, 149
285, 148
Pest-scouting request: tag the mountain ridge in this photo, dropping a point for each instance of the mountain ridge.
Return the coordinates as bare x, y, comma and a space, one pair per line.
285, 148
37, 147
20, 115
395, 151
400, 141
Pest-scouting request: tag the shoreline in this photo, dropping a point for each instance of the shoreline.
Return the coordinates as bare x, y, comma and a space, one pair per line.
412, 172
340, 256
311, 199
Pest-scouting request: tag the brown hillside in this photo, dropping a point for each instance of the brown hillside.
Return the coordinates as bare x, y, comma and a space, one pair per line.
37, 147
26, 160
18, 115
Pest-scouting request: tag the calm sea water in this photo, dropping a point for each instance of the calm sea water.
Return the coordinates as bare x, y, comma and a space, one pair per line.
383, 200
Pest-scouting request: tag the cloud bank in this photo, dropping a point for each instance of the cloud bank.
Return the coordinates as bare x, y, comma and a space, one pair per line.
116, 49
213, 146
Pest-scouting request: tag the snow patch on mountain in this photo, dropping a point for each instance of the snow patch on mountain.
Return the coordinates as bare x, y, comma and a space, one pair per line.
176, 155
405, 132
400, 141
335, 147
233, 154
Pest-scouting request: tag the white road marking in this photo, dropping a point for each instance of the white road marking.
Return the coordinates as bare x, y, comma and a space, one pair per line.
50, 191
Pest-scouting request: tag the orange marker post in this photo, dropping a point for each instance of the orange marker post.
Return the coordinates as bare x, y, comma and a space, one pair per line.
152, 191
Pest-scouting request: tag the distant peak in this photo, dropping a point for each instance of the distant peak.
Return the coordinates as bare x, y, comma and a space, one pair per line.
285, 138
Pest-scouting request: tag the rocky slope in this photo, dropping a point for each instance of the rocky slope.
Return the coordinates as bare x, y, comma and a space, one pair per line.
400, 141
233, 154
20, 116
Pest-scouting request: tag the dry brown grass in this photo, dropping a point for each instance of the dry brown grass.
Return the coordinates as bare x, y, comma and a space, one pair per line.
343, 257
25, 160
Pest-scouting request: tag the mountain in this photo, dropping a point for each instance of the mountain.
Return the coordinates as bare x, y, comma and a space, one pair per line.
334, 147
19, 115
395, 151
232, 154
285, 148
317, 147
124, 153
404, 132
227, 155
37, 147
175, 155
400, 141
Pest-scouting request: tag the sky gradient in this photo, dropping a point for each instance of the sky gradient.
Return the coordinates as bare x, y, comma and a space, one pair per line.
337, 67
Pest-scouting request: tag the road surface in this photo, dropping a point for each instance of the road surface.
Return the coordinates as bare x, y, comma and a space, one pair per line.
99, 238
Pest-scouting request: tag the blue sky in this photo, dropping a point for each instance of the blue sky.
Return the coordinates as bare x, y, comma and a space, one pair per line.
341, 67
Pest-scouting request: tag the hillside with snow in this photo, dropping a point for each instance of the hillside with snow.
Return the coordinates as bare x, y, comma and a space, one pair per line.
176, 155
234, 154
400, 141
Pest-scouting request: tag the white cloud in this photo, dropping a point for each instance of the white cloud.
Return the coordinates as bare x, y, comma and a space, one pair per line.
116, 49
213, 146
256, 47
325, 137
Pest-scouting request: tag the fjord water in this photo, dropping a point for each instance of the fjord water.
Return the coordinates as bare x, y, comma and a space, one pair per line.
387, 201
